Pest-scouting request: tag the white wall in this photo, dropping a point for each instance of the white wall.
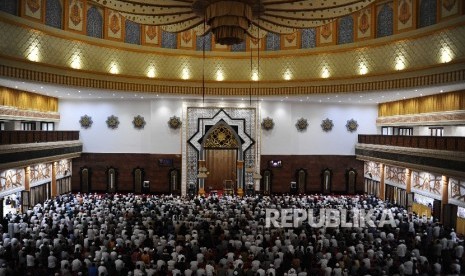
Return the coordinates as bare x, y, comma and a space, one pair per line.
157, 137
285, 139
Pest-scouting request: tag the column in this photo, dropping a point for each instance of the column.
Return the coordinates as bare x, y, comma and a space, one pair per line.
54, 180
382, 187
27, 177
408, 188
201, 176
445, 195
240, 167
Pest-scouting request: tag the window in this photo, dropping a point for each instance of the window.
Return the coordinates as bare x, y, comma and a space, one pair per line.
28, 125
47, 126
397, 131
403, 131
436, 131
2, 125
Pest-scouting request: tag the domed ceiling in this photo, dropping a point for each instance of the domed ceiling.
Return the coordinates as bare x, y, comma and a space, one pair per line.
230, 21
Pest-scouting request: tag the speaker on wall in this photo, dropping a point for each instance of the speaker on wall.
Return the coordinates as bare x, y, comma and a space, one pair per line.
449, 216
146, 187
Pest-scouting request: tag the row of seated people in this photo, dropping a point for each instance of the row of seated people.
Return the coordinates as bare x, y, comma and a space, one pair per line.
127, 234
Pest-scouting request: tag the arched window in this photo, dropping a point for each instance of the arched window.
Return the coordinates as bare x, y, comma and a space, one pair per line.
53, 13
9, 6
385, 21
273, 42
427, 14
208, 42
169, 40
308, 38
94, 22
345, 33
132, 34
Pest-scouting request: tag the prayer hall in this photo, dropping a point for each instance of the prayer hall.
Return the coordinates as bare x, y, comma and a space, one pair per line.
232, 137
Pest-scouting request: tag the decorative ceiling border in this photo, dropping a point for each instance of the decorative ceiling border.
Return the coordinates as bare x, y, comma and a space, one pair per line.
125, 84
8, 112
433, 118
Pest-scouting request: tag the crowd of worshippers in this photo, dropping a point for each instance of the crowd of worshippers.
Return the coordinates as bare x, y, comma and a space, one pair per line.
114, 234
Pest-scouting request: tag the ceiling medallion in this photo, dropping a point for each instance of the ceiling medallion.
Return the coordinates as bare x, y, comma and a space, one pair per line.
267, 123
86, 121
301, 124
174, 122
138, 122
232, 20
351, 125
112, 122
327, 125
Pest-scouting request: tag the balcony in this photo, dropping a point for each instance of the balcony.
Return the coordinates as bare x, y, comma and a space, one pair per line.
436, 154
22, 148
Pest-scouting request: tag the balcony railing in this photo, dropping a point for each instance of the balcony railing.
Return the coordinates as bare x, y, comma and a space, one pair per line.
9, 137
451, 143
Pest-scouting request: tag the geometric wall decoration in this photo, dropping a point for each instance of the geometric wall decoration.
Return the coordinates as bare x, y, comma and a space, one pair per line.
54, 13
457, 191
301, 124
327, 125
372, 170
351, 125
94, 24
427, 184
114, 25
112, 122
86, 121
40, 173
75, 15
33, 9
405, 15
11, 179
138, 122
63, 168
395, 176
364, 24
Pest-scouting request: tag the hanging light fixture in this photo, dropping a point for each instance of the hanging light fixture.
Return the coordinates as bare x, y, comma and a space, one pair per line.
256, 175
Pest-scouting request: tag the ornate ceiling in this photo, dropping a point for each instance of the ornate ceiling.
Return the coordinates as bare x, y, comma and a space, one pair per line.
231, 20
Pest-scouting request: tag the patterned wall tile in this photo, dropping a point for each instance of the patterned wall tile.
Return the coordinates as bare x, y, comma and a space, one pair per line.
132, 32
9, 6
385, 19
168, 40
273, 42
395, 176
95, 22
427, 16
345, 32
54, 13
308, 38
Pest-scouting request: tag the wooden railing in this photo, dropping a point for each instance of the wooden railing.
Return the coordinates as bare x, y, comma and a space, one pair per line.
452, 143
9, 137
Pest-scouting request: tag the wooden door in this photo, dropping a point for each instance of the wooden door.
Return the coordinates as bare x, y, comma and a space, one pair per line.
221, 166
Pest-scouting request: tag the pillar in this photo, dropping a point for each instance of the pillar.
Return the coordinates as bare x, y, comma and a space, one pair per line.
54, 180
240, 167
382, 187
408, 188
445, 195
201, 191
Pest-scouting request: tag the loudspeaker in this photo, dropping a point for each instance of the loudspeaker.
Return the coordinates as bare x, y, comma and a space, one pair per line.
293, 188
449, 216
437, 210
146, 187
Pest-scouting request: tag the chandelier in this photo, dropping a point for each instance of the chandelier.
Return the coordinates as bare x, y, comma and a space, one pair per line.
231, 21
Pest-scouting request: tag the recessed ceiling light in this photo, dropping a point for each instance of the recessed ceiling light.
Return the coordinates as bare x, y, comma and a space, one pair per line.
41, 87
339, 101
99, 97
301, 100
416, 90
382, 96
320, 101
79, 91
16, 87
68, 94
286, 97
90, 94
371, 99
329, 98
336, 96
122, 97
281, 99
113, 94
141, 97
361, 96
33, 90
421, 94
441, 91
157, 95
